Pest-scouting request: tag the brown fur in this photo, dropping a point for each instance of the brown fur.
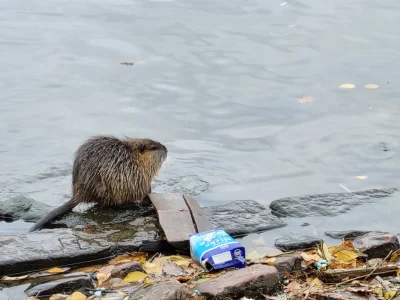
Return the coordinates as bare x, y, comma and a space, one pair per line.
111, 172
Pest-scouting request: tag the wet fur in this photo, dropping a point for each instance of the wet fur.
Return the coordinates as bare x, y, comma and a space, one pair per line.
111, 172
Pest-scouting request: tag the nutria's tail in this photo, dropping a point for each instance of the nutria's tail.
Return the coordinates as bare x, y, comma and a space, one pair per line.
66, 207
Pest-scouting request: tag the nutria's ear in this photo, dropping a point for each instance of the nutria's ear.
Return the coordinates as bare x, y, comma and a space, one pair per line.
141, 148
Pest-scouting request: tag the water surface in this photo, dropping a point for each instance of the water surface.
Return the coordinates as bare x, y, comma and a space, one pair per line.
218, 83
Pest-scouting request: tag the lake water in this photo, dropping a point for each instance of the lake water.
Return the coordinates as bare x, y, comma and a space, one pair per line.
218, 83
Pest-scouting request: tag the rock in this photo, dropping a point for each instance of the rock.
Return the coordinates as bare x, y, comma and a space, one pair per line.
124, 269
376, 244
48, 248
348, 234
67, 285
249, 282
242, 217
300, 242
169, 290
288, 263
325, 204
21, 207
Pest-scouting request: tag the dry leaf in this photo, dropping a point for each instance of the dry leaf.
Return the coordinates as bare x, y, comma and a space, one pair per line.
134, 276
59, 297
122, 293
295, 288
327, 255
371, 86
182, 261
10, 278
269, 261
139, 256
394, 257
347, 86
55, 270
310, 258
148, 281
154, 267
362, 177
345, 255
104, 273
77, 296
121, 259
306, 99
89, 269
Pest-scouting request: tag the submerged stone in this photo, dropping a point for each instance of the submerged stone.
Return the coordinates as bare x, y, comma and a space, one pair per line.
300, 242
347, 234
242, 217
325, 204
21, 207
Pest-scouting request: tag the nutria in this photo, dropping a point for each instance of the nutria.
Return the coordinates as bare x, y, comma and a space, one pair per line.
111, 172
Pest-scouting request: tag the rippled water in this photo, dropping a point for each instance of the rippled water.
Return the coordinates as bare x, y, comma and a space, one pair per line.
217, 82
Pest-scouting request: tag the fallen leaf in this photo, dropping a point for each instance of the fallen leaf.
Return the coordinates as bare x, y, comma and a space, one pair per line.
77, 296
310, 258
104, 273
345, 255
269, 261
89, 269
148, 281
371, 86
127, 63
154, 267
394, 257
59, 297
379, 291
390, 295
134, 276
55, 270
180, 260
121, 259
327, 255
347, 86
362, 177
306, 99
295, 288
11, 278
139, 256
121, 293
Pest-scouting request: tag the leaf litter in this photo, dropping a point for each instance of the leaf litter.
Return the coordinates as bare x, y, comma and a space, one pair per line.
347, 270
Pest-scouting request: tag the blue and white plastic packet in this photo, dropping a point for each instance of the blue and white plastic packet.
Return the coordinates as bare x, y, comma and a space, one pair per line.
215, 249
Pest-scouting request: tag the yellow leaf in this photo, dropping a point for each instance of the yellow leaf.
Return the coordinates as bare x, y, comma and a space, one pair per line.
379, 291
139, 256
394, 257
148, 281
180, 260
390, 295
154, 267
121, 259
253, 256
327, 255
58, 297
346, 255
306, 99
134, 276
121, 293
10, 278
89, 269
55, 270
77, 296
269, 261
347, 86
362, 177
371, 86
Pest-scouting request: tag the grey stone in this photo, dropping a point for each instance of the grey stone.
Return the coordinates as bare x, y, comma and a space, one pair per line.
242, 217
48, 248
288, 263
169, 290
251, 281
376, 244
21, 207
299, 242
348, 234
325, 204
67, 285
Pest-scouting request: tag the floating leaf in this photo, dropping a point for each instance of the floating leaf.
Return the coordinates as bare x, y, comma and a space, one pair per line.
55, 270
362, 177
11, 278
77, 296
306, 99
371, 86
134, 276
347, 86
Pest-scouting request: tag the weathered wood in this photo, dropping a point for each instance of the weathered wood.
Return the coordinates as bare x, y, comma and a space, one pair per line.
202, 222
175, 218
338, 275
180, 216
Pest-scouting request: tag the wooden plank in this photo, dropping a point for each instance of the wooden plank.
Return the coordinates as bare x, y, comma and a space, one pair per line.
202, 222
175, 218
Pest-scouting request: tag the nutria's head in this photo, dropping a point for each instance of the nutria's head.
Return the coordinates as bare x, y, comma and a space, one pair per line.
152, 154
